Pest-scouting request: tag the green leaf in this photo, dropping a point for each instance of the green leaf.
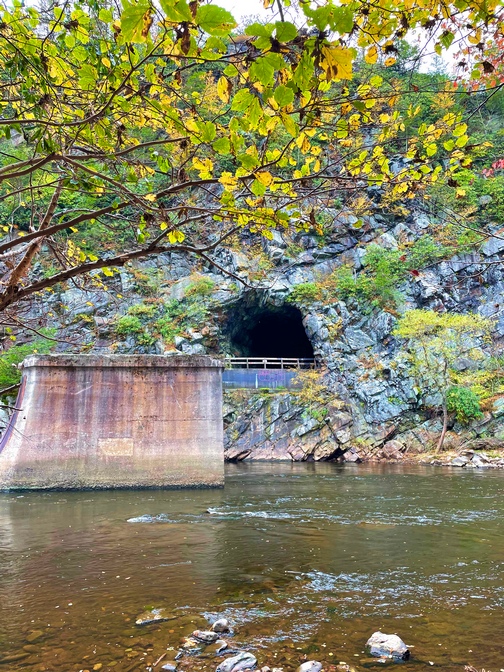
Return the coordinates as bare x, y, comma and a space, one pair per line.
177, 10
248, 161
215, 20
285, 31
222, 146
80, 53
283, 95
304, 72
87, 77
262, 71
342, 20
257, 188
254, 113
134, 20
259, 30
105, 15
290, 125
319, 16
208, 131
446, 39
242, 100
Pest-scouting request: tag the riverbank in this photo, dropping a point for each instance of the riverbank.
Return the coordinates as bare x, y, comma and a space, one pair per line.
311, 425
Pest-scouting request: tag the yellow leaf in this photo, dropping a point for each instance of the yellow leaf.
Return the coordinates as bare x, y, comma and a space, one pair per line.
150, 197
163, 226
460, 193
390, 61
371, 55
229, 181
264, 178
172, 237
337, 62
106, 271
223, 89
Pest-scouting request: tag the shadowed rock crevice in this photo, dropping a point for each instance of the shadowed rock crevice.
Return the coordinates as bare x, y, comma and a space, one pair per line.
256, 330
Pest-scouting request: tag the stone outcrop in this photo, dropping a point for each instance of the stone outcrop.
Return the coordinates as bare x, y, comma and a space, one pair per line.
383, 416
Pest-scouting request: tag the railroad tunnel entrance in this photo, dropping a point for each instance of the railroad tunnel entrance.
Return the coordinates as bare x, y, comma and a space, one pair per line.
263, 330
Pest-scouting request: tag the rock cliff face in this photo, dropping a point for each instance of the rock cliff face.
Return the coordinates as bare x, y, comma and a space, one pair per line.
373, 407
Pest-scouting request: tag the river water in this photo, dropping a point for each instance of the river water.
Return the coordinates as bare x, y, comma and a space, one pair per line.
305, 560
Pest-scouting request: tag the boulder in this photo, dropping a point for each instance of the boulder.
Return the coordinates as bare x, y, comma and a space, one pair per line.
459, 461
387, 646
393, 450
310, 666
221, 625
206, 636
242, 661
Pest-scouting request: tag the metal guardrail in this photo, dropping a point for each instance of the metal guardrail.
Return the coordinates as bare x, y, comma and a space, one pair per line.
271, 363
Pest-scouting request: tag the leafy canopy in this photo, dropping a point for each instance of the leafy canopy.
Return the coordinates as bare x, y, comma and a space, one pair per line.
176, 132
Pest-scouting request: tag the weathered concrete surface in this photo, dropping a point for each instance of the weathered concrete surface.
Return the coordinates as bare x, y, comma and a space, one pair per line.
116, 421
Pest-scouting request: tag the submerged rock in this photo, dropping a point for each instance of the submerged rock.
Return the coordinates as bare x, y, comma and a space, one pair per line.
191, 644
221, 625
310, 666
243, 661
206, 636
154, 616
169, 667
387, 646
34, 636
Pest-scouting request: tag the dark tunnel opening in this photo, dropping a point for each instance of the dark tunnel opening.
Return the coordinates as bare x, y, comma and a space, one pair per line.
268, 331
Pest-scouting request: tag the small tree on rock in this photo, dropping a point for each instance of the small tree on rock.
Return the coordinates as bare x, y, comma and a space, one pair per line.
439, 347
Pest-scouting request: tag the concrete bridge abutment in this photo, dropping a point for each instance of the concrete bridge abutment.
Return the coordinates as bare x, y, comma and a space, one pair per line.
115, 421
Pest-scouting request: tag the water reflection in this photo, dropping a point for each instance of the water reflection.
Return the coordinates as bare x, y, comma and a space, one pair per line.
303, 558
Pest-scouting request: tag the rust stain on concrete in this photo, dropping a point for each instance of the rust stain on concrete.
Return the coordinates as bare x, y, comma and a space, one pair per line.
116, 421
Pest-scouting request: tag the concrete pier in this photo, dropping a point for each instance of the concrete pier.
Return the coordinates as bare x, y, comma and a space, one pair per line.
115, 421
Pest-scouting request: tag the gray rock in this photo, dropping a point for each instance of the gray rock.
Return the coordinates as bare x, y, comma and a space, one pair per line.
243, 661
485, 200
206, 636
221, 625
387, 646
357, 339
154, 616
310, 666
459, 461
480, 460
493, 245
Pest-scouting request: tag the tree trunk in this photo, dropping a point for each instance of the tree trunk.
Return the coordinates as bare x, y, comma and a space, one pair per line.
445, 426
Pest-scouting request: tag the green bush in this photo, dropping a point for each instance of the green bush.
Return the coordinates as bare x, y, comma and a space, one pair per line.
305, 293
200, 287
464, 403
9, 373
129, 324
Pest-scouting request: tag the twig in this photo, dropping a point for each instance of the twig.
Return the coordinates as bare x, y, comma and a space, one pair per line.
159, 659
9, 389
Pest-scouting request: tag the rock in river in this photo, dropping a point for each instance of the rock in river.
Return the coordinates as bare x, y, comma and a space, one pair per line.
221, 625
310, 666
154, 616
242, 661
206, 636
387, 646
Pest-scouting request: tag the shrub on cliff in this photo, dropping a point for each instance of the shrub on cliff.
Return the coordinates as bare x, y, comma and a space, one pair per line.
438, 347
